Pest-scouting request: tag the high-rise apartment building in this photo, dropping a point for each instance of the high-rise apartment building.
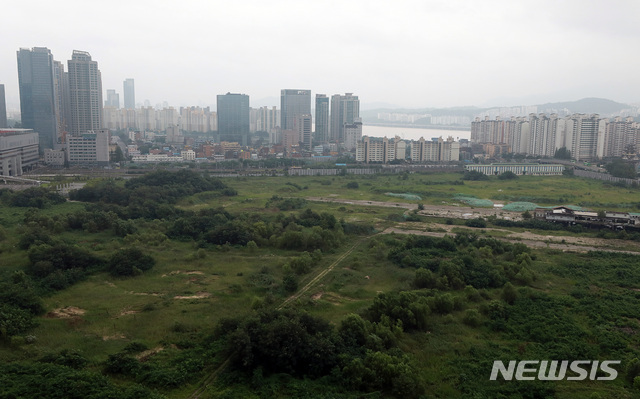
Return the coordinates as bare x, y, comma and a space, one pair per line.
63, 115
352, 134
129, 94
268, 119
437, 150
621, 137
113, 99
302, 124
322, 118
234, 118
587, 137
85, 89
3, 108
293, 102
344, 111
37, 85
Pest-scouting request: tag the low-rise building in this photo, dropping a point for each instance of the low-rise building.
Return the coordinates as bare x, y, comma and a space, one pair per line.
91, 147
518, 168
18, 151
54, 157
566, 215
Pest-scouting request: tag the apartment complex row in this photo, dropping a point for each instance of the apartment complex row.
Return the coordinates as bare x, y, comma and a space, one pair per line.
587, 137
188, 119
384, 150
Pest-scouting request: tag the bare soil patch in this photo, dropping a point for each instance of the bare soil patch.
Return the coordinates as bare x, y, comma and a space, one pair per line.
199, 295
68, 312
112, 337
143, 356
176, 272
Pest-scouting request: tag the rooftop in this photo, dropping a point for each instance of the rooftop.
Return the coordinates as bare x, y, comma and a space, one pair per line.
14, 132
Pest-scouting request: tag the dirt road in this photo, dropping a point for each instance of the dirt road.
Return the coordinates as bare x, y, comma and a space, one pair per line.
564, 243
443, 211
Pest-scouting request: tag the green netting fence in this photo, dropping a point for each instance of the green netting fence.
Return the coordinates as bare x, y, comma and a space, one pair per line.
407, 196
520, 206
473, 201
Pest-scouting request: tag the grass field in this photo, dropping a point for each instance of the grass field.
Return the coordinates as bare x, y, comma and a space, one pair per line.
191, 289
435, 188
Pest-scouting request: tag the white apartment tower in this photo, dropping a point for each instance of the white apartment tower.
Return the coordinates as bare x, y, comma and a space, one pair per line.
85, 88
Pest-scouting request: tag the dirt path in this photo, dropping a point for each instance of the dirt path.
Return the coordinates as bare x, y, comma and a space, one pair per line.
319, 276
565, 243
576, 244
444, 211
202, 386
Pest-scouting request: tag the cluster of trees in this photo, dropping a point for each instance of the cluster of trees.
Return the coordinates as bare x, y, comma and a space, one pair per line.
154, 374
307, 230
286, 204
474, 175
454, 263
359, 355
159, 186
562, 153
150, 196
34, 197
19, 304
51, 380
621, 168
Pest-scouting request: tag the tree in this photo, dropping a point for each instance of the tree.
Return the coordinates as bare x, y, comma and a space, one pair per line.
526, 215
509, 293
508, 175
129, 262
14, 321
620, 168
477, 222
117, 156
290, 282
474, 175
562, 153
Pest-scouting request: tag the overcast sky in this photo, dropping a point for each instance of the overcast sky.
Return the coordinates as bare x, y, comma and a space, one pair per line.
405, 53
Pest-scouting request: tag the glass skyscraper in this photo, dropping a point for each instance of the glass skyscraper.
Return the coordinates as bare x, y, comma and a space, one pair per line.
322, 118
293, 102
38, 105
129, 94
233, 118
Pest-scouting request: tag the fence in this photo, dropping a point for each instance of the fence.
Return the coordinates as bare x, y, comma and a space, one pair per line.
603, 176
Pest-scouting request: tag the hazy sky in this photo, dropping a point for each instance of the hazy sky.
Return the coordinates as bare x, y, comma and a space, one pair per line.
420, 53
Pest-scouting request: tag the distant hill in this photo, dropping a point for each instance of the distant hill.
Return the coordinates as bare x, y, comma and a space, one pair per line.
586, 106
602, 106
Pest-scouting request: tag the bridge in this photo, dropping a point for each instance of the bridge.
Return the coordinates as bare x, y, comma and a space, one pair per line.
22, 180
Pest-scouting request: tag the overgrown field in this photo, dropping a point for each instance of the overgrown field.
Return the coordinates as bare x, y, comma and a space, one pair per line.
441, 188
146, 288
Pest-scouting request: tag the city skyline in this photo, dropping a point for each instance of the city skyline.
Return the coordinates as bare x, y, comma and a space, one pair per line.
412, 54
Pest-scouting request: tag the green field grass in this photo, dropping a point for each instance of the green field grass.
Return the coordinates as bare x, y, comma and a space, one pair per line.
434, 188
190, 289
